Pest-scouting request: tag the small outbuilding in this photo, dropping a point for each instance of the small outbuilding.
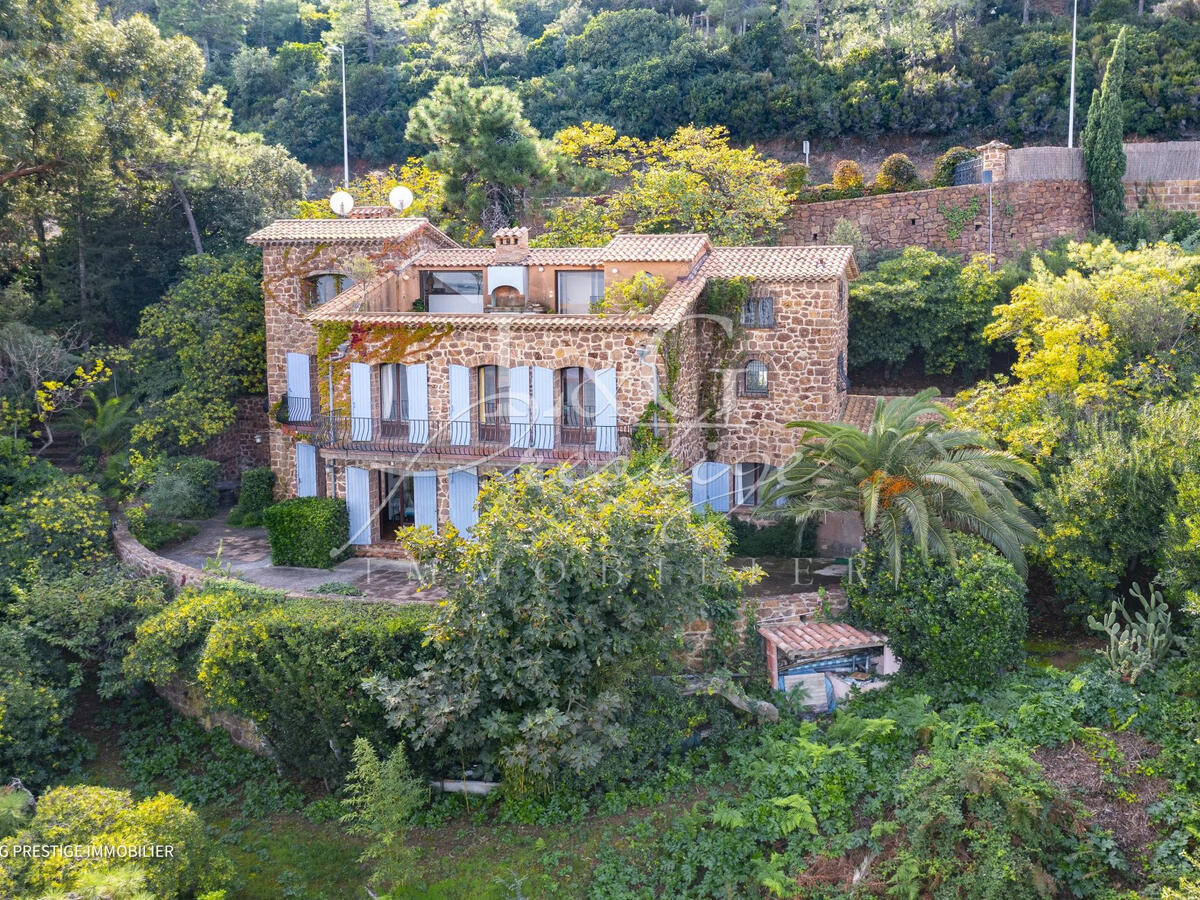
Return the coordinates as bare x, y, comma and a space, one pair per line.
826, 659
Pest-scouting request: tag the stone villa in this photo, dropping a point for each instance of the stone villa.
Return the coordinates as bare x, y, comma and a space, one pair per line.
452, 364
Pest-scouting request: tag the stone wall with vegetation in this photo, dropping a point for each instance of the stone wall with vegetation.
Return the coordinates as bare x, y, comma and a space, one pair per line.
1176, 196
1025, 215
246, 443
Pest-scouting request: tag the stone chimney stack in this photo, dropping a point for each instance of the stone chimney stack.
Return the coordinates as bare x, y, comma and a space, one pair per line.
512, 244
994, 158
371, 212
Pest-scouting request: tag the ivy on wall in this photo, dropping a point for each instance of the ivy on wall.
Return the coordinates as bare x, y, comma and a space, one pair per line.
957, 217
724, 300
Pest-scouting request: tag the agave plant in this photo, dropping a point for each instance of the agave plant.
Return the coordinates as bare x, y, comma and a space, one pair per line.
912, 478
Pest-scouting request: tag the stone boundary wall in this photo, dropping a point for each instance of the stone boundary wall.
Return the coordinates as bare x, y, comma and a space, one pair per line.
1176, 196
1025, 215
236, 448
188, 700
146, 562
771, 609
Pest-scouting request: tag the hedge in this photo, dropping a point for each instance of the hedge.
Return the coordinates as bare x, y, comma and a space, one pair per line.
256, 494
293, 666
313, 532
184, 487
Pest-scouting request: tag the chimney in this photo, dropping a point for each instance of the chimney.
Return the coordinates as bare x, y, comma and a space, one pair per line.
512, 244
371, 212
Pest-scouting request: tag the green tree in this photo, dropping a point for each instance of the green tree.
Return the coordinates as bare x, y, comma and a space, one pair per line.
922, 304
487, 154
216, 25
475, 30
198, 349
1103, 153
913, 480
381, 797
567, 586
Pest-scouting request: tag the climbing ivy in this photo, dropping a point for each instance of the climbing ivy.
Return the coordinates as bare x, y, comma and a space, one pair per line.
724, 299
957, 217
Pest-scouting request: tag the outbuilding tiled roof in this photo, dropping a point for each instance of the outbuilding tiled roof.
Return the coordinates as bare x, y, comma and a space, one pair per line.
656, 247
860, 408
780, 263
820, 638
341, 230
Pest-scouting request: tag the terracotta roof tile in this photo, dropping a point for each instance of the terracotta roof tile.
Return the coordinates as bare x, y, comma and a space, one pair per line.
656, 248
343, 230
860, 408
817, 638
780, 263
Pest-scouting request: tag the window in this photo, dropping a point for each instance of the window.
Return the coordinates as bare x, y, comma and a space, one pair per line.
323, 288
452, 291
843, 293
759, 312
754, 379
398, 510
393, 392
578, 398
493, 395
843, 380
577, 291
748, 481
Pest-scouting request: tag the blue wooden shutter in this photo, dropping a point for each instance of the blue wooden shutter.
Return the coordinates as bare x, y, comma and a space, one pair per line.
464, 489
306, 470
606, 410
718, 486
360, 402
460, 405
358, 504
519, 406
425, 499
417, 378
699, 488
299, 388
543, 408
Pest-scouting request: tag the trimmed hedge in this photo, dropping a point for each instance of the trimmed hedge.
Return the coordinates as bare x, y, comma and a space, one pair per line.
960, 622
294, 666
256, 494
312, 532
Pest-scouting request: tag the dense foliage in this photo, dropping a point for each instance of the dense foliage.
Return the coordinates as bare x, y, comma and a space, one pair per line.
1103, 155
961, 621
566, 587
293, 666
922, 306
308, 531
256, 494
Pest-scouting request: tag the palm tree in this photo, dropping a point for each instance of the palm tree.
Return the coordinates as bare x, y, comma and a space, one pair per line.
911, 477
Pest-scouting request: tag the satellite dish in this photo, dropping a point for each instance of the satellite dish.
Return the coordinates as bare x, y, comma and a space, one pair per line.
341, 203
400, 197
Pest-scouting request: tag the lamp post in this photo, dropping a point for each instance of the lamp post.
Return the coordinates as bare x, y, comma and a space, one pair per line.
341, 48
1071, 104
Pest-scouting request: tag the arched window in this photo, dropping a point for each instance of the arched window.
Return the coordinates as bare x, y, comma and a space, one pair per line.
754, 379
323, 288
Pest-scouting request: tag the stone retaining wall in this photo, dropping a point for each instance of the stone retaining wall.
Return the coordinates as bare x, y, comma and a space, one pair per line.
1024, 215
1177, 196
246, 443
772, 609
188, 700
146, 562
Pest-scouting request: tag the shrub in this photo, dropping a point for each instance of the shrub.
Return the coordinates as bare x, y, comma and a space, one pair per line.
845, 232
943, 166
341, 588
184, 487
102, 816
313, 532
795, 178
90, 617
638, 294
898, 173
154, 532
58, 526
36, 700
774, 539
847, 176
381, 797
247, 649
257, 493
958, 621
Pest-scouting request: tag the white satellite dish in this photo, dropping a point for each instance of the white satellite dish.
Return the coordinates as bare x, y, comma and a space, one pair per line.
341, 203
400, 197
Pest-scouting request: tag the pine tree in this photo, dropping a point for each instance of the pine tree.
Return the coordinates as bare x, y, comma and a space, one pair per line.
1103, 154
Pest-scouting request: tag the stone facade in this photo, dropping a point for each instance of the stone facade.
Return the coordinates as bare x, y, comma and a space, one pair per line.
1176, 196
1024, 215
246, 443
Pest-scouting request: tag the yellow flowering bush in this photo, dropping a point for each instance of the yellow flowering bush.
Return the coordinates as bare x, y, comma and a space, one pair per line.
58, 526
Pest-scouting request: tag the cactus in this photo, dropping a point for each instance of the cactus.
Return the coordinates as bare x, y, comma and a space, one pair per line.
1141, 641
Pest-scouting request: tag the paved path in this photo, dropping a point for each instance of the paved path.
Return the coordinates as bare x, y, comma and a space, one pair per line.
246, 550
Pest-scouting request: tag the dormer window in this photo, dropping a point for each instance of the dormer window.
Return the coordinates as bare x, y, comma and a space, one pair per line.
323, 288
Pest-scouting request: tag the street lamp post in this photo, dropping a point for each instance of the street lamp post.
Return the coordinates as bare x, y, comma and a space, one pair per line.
1071, 104
341, 48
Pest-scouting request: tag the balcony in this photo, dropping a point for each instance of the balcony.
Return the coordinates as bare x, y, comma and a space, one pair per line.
511, 442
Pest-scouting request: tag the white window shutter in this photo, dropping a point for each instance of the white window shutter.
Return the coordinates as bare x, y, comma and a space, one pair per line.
360, 402
358, 504
464, 490
543, 408
425, 499
306, 470
519, 403
299, 388
606, 410
417, 377
460, 405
